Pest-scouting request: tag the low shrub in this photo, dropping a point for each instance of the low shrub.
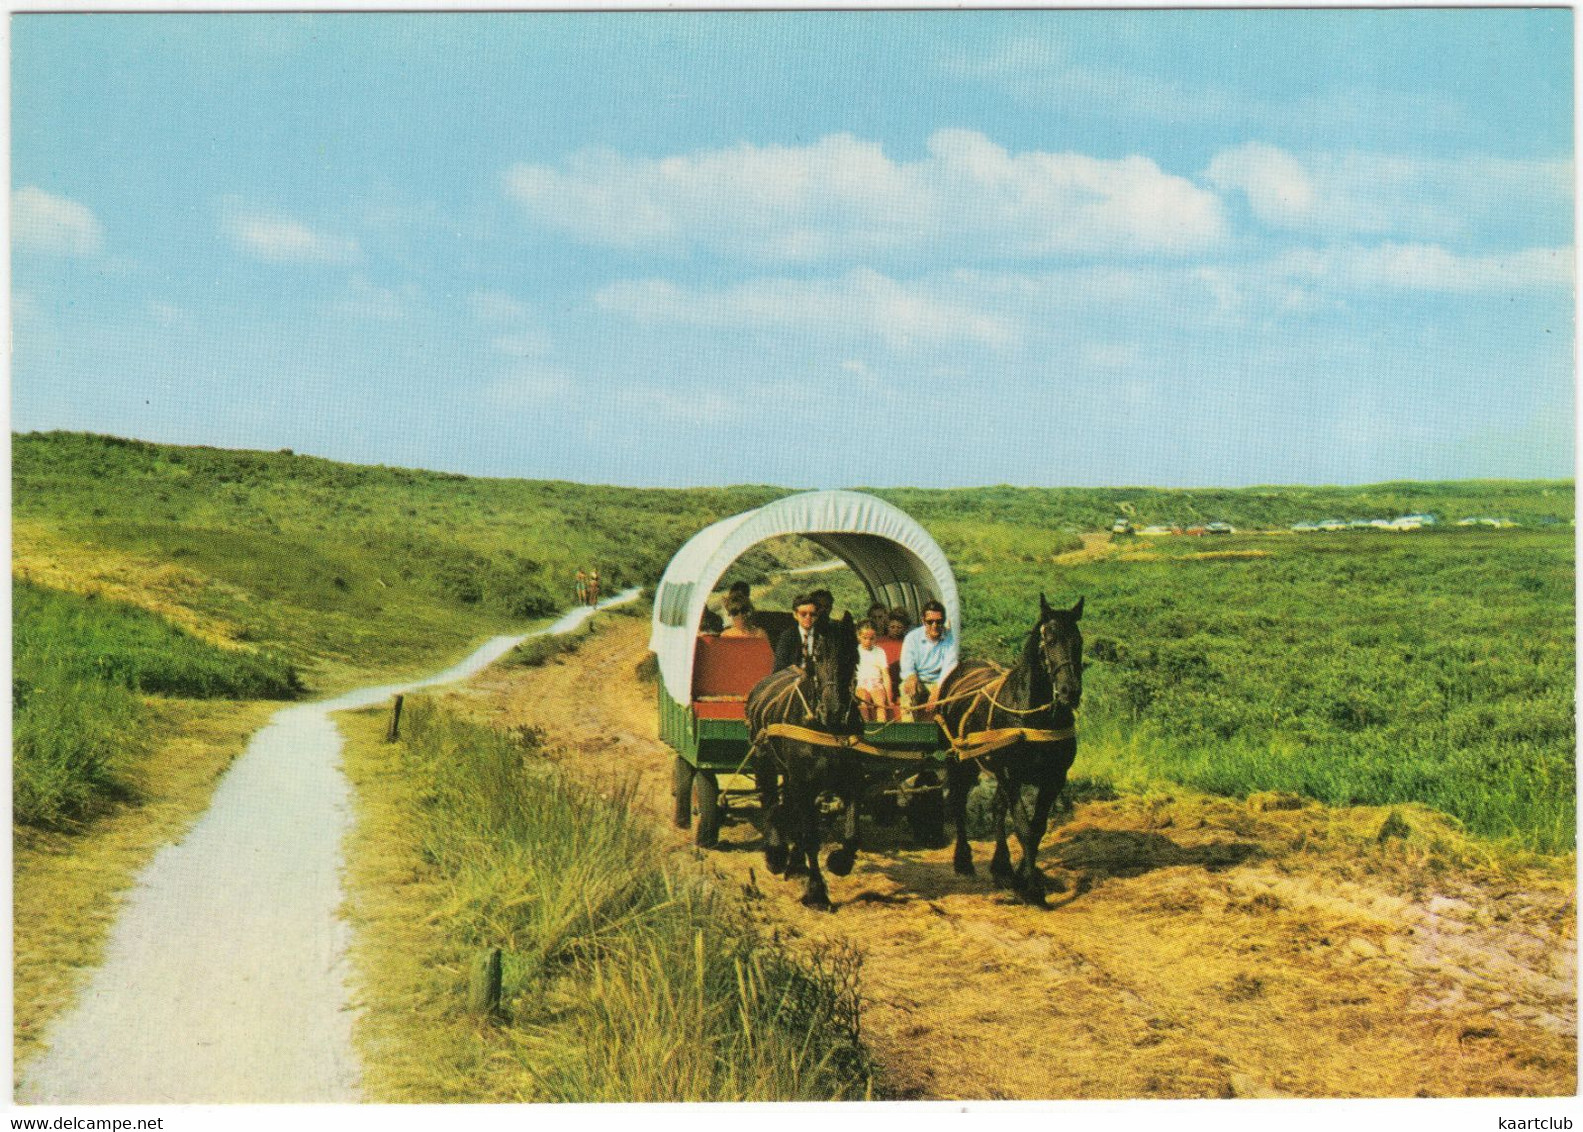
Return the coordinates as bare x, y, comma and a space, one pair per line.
79, 666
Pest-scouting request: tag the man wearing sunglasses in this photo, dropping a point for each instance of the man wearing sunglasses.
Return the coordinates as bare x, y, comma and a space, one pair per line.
793, 643
928, 654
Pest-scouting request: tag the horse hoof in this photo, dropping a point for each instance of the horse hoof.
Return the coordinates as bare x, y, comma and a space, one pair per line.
840, 861
775, 858
817, 900
796, 868
1031, 893
965, 869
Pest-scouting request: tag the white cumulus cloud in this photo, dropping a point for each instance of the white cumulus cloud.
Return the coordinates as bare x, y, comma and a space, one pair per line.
1276, 184
1391, 195
277, 238
861, 303
842, 196
54, 225
1430, 268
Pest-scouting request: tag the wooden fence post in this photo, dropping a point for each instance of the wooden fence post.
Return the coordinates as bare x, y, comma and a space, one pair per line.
483, 984
393, 732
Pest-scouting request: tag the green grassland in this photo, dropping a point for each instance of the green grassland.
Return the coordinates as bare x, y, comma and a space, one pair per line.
1435, 666
1366, 667
1528, 503
345, 569
80, 669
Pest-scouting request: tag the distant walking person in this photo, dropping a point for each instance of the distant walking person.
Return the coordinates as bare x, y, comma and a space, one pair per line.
593, 587
582, 587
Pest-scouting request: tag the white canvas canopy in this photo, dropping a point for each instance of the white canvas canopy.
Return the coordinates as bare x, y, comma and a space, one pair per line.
884, 546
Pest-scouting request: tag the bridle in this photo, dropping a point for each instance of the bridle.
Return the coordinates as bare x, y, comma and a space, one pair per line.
1066, 663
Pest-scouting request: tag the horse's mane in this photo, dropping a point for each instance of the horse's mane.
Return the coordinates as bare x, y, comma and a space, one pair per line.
1028, 683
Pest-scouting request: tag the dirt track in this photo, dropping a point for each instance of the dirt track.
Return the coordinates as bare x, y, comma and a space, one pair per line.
1220, 949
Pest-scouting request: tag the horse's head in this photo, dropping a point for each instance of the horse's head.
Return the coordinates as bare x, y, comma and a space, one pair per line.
830, 675
1060, 647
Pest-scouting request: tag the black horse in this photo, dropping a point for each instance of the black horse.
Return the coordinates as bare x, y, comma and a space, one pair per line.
1019, 725
797, 720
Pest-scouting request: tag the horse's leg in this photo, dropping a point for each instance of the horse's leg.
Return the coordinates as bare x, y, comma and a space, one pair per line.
766, 778
1030, 882
1034, 883
960, 777
793, 787
806, 845
840, 861
1000, 864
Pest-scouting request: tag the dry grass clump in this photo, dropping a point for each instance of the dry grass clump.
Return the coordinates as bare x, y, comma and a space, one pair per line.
622, 979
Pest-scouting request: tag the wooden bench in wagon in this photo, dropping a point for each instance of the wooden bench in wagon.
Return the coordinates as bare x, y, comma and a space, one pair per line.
705, 680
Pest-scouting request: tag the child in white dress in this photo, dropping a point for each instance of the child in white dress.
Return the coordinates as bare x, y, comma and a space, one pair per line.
874, 692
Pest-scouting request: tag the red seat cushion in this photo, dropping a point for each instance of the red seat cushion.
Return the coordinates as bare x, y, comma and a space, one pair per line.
720, 709
730, 666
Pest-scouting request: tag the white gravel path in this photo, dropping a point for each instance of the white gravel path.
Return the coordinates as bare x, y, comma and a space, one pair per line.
225, 978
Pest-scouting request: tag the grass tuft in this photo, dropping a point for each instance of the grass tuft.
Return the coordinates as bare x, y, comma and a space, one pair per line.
623, 979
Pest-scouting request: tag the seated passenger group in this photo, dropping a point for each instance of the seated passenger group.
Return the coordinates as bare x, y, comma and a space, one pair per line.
885, 690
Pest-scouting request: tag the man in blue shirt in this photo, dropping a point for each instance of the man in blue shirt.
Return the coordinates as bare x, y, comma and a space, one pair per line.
928, 654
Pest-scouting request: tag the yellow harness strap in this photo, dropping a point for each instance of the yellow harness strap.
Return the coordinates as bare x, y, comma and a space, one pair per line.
818, 738
977, 744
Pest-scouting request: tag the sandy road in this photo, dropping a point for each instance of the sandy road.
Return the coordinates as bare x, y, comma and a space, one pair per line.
225, 977
1221, 948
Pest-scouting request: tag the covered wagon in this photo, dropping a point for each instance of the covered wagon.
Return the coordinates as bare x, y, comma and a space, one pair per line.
704, 680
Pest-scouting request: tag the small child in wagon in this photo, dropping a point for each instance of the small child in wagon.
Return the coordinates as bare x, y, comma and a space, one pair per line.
874, 692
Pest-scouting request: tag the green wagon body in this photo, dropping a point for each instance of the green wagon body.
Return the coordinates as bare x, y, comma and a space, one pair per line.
721, 745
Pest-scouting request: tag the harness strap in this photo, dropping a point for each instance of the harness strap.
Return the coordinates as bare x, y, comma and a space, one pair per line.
818, 738
977, 744
987, 692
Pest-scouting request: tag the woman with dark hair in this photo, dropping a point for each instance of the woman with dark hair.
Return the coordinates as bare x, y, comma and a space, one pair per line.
740, 610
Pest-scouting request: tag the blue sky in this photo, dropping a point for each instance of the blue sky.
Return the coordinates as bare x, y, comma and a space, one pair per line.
1181, 248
